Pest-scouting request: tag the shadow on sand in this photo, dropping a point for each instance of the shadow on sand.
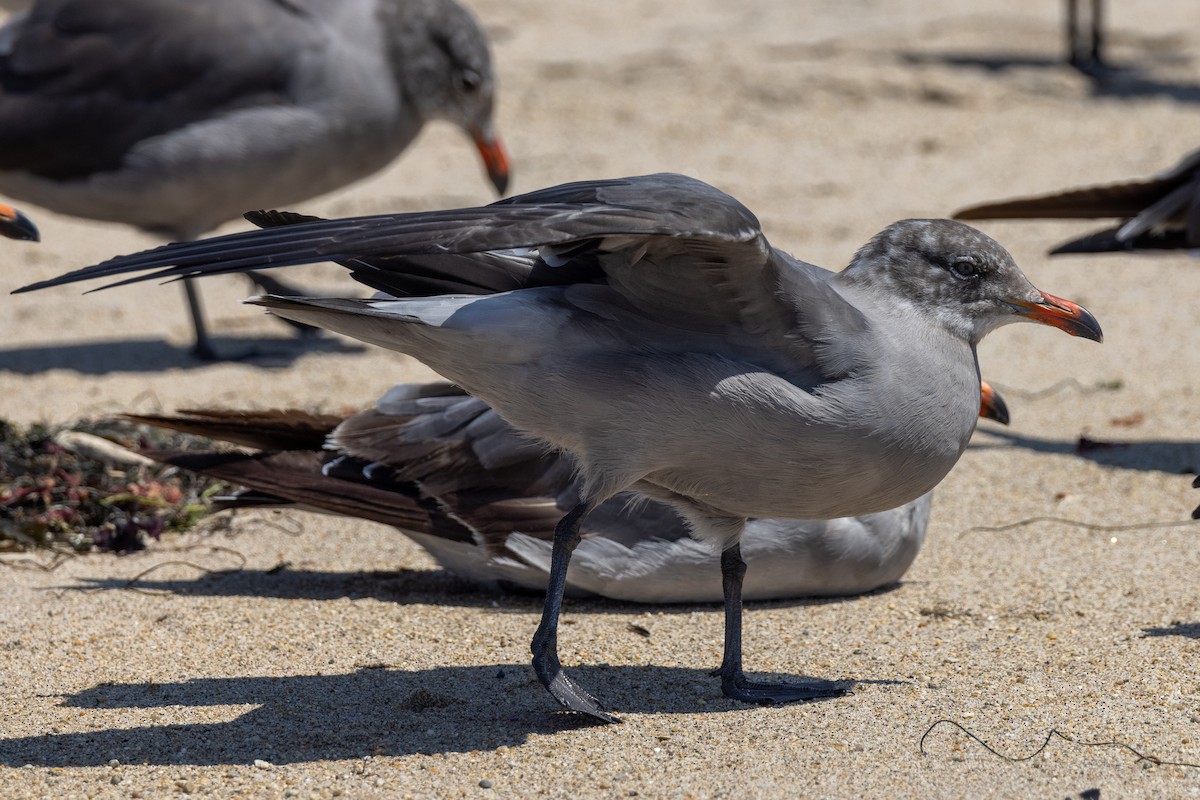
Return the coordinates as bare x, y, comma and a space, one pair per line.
381, 709
348, 715
1122, 83
155, 355
405, 587
1176, 458
1191, 630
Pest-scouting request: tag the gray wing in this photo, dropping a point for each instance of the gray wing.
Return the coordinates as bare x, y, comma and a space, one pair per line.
677, 249
133, 69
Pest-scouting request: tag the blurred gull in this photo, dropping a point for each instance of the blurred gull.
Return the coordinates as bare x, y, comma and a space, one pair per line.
483, 500
176, 116
1158, 213
15, 225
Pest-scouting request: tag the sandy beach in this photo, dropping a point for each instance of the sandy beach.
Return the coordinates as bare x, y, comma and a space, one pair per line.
295, 655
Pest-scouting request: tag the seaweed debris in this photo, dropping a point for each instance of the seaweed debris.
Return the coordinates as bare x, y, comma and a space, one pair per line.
70, 499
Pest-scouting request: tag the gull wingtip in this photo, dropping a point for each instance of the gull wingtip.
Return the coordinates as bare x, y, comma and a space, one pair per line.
33, 287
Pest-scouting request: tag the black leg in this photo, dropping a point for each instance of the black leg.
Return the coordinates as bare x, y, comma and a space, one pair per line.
545, 641
734, 683
203, 348
1085, 52
1073, 32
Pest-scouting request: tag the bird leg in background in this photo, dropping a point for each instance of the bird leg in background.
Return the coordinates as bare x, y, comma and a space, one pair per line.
734, 683
203, 348
1085, 54
545, 641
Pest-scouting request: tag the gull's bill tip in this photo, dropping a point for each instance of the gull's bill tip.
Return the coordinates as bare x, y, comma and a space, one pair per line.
1062, 314
15, 225
992, 405
495, 158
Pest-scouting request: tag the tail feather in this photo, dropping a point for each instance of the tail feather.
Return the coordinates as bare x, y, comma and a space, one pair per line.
289, 429
358, 319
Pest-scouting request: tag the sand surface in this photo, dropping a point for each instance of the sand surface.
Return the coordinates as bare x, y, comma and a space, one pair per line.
359, 670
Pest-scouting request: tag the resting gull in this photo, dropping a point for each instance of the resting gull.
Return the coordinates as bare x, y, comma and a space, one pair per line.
446, 471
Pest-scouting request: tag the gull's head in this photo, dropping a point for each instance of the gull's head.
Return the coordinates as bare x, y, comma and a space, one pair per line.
451, 78
960, 277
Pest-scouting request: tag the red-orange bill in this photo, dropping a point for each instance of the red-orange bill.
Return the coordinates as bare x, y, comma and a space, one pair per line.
15, 225
1062, 314
991, 404
495, 159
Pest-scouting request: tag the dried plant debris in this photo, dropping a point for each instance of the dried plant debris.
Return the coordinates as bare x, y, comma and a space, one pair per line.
85, 487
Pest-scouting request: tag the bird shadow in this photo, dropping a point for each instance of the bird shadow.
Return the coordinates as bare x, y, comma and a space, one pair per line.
155, 355
998, 62
1120, 82
1126, 83
1191, 630
383, 710
1177, 458
403, 587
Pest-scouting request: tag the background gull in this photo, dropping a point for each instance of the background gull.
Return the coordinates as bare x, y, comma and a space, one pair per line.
660, 340
444, 469
15, 225
1158, 213
175, 116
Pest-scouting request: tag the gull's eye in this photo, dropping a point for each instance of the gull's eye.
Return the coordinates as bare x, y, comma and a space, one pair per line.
469, 80
965, 268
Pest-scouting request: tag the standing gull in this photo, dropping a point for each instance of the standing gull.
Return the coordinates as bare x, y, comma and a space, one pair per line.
483, 500
176, 116
1158, 213
661, 341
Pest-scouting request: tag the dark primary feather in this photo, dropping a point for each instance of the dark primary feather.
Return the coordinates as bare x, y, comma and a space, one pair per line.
133, 69
1091, 202
1160, 213
424, 276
